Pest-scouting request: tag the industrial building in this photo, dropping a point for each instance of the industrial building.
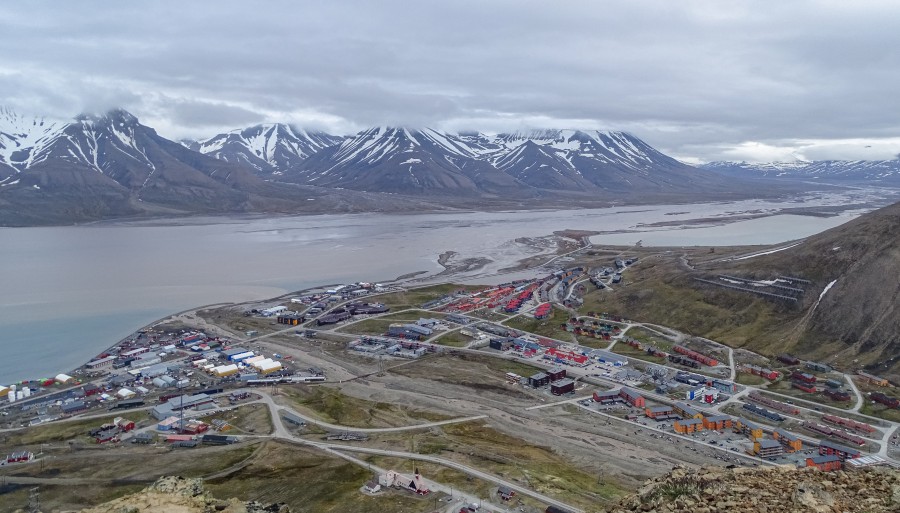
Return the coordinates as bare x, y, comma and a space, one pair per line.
411, 331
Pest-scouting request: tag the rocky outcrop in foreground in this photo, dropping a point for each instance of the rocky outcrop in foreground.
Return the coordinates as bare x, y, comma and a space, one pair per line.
180, 495
767, 490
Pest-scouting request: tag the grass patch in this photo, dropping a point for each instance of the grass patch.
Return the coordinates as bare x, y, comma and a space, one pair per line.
479, 373
247, 419
538, 467
310, 481
60, 431
453, 339
334, 407
549, 327
882, 412
368, 327
417, 297
749, 379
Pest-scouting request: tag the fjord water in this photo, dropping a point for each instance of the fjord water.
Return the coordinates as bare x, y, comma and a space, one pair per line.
67, 293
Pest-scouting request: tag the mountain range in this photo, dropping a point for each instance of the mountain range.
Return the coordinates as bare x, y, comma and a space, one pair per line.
111, 165
880, 172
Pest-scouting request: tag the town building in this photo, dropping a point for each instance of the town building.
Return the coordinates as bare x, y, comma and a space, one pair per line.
688, 426
818, 367
538, 380
718, 422
563, 386
751, 429
767, 448
826, 463
633, 398
686, 412
841, 451
790, 441
872, 379
659, 412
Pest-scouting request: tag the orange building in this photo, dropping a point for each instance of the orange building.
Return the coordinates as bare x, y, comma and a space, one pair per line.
754, 431
790, 442
717, 422
688, 426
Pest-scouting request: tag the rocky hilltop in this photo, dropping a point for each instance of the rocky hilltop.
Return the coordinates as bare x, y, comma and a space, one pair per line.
181, 495
767, 490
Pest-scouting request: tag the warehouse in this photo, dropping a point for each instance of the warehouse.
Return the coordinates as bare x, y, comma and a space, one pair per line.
233, 351
225, 370
411, 331
101, 362
73, 407
500, 344
609, 358
767, 448
563, 386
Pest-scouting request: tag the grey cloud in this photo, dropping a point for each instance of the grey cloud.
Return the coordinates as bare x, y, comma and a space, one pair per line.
689, 77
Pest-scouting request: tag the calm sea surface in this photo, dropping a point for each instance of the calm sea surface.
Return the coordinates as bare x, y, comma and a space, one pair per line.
68, 293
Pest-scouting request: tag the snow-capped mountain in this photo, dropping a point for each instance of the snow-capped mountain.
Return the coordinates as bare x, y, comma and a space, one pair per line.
390, 159
403, 160
615, 161
885, 172
17, 135
110, 164
268, 148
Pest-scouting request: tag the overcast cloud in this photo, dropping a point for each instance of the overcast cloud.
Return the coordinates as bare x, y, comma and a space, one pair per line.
707, 80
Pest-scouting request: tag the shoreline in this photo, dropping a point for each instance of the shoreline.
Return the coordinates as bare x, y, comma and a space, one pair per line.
467, 269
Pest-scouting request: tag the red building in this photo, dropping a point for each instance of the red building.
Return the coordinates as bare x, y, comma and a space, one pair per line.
563, 386
806, 387
633, 398
556, 373
825, 463
803, 376
841, 451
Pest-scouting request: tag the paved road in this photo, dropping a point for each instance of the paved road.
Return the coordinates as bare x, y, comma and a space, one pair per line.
521, 490
276, 409
283, 433
860, 399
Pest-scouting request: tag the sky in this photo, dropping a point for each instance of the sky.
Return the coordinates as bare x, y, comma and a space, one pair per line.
763, 80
